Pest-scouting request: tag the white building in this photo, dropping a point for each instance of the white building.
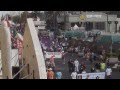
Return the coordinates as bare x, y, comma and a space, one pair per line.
92, 20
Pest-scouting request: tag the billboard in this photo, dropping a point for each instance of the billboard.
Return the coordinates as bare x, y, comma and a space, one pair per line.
100, 75
55, 54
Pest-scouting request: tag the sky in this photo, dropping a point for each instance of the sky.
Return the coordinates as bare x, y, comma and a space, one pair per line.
3, 12
11, 12
8, 12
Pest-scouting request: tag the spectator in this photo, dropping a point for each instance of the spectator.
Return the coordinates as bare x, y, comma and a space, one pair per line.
52, 65
47, 64
58, 75
52, 59
84, 72
70, 65
93, 69
108, 72
50, 74
102, 66
97, 65
82, 67
74, 75
119, 57
85, 75
76, 63
119, 66
63, 57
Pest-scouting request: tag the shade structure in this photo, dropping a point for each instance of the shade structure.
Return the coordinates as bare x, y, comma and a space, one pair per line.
108, 39
94, 32
89, 39
76, 33
75, 27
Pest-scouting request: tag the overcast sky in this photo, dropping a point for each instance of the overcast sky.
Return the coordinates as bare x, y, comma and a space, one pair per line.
3, 12
10, 12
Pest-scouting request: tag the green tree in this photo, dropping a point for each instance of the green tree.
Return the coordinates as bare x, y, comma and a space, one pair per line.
24, 16
16, 19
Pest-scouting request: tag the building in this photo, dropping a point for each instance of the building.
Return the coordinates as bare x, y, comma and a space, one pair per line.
91, 20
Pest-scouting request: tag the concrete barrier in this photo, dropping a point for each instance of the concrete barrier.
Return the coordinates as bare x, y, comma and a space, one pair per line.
32, 54
5, 39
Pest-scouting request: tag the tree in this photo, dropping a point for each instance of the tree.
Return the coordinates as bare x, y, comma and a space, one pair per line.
50, 18
24, 16
16, 19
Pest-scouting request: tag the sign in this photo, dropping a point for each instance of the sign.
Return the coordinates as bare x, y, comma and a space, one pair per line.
100, 75
93, 16
82, 17
55, 54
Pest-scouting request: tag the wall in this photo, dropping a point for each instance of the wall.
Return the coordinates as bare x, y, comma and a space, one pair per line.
5, 38
32, 53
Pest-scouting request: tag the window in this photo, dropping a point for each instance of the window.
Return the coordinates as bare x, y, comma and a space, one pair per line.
100, 25
89, 25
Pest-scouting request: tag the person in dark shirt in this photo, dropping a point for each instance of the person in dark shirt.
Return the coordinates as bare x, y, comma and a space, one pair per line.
82, 67
93, 69
108, 63
97, 65
119, 57
70, 66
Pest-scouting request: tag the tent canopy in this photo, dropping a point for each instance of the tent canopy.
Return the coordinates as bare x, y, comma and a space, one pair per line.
74, 34
109, 39
75, 27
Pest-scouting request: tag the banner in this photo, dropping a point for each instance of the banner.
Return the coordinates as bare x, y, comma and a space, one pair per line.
100, 75
55, 54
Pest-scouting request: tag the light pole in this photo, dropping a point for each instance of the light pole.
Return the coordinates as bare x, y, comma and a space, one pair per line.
116, 22
107, 24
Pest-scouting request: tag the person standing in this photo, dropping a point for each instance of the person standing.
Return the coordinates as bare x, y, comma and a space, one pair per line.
108, 72
47, 64
93, 69
52, 59
70, 65
50, 74
84, 74
63, 57
102, 66
58, 75
76, 63
108, 63
74, 75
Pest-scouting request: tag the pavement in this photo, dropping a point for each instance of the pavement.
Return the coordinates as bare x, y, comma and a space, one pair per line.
65, 71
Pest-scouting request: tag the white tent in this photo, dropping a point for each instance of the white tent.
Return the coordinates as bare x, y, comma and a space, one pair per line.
82, 28
75, 27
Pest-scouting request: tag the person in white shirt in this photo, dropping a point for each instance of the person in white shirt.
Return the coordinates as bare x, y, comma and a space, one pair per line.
84, 74
76, 63
74, 75
108, 72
